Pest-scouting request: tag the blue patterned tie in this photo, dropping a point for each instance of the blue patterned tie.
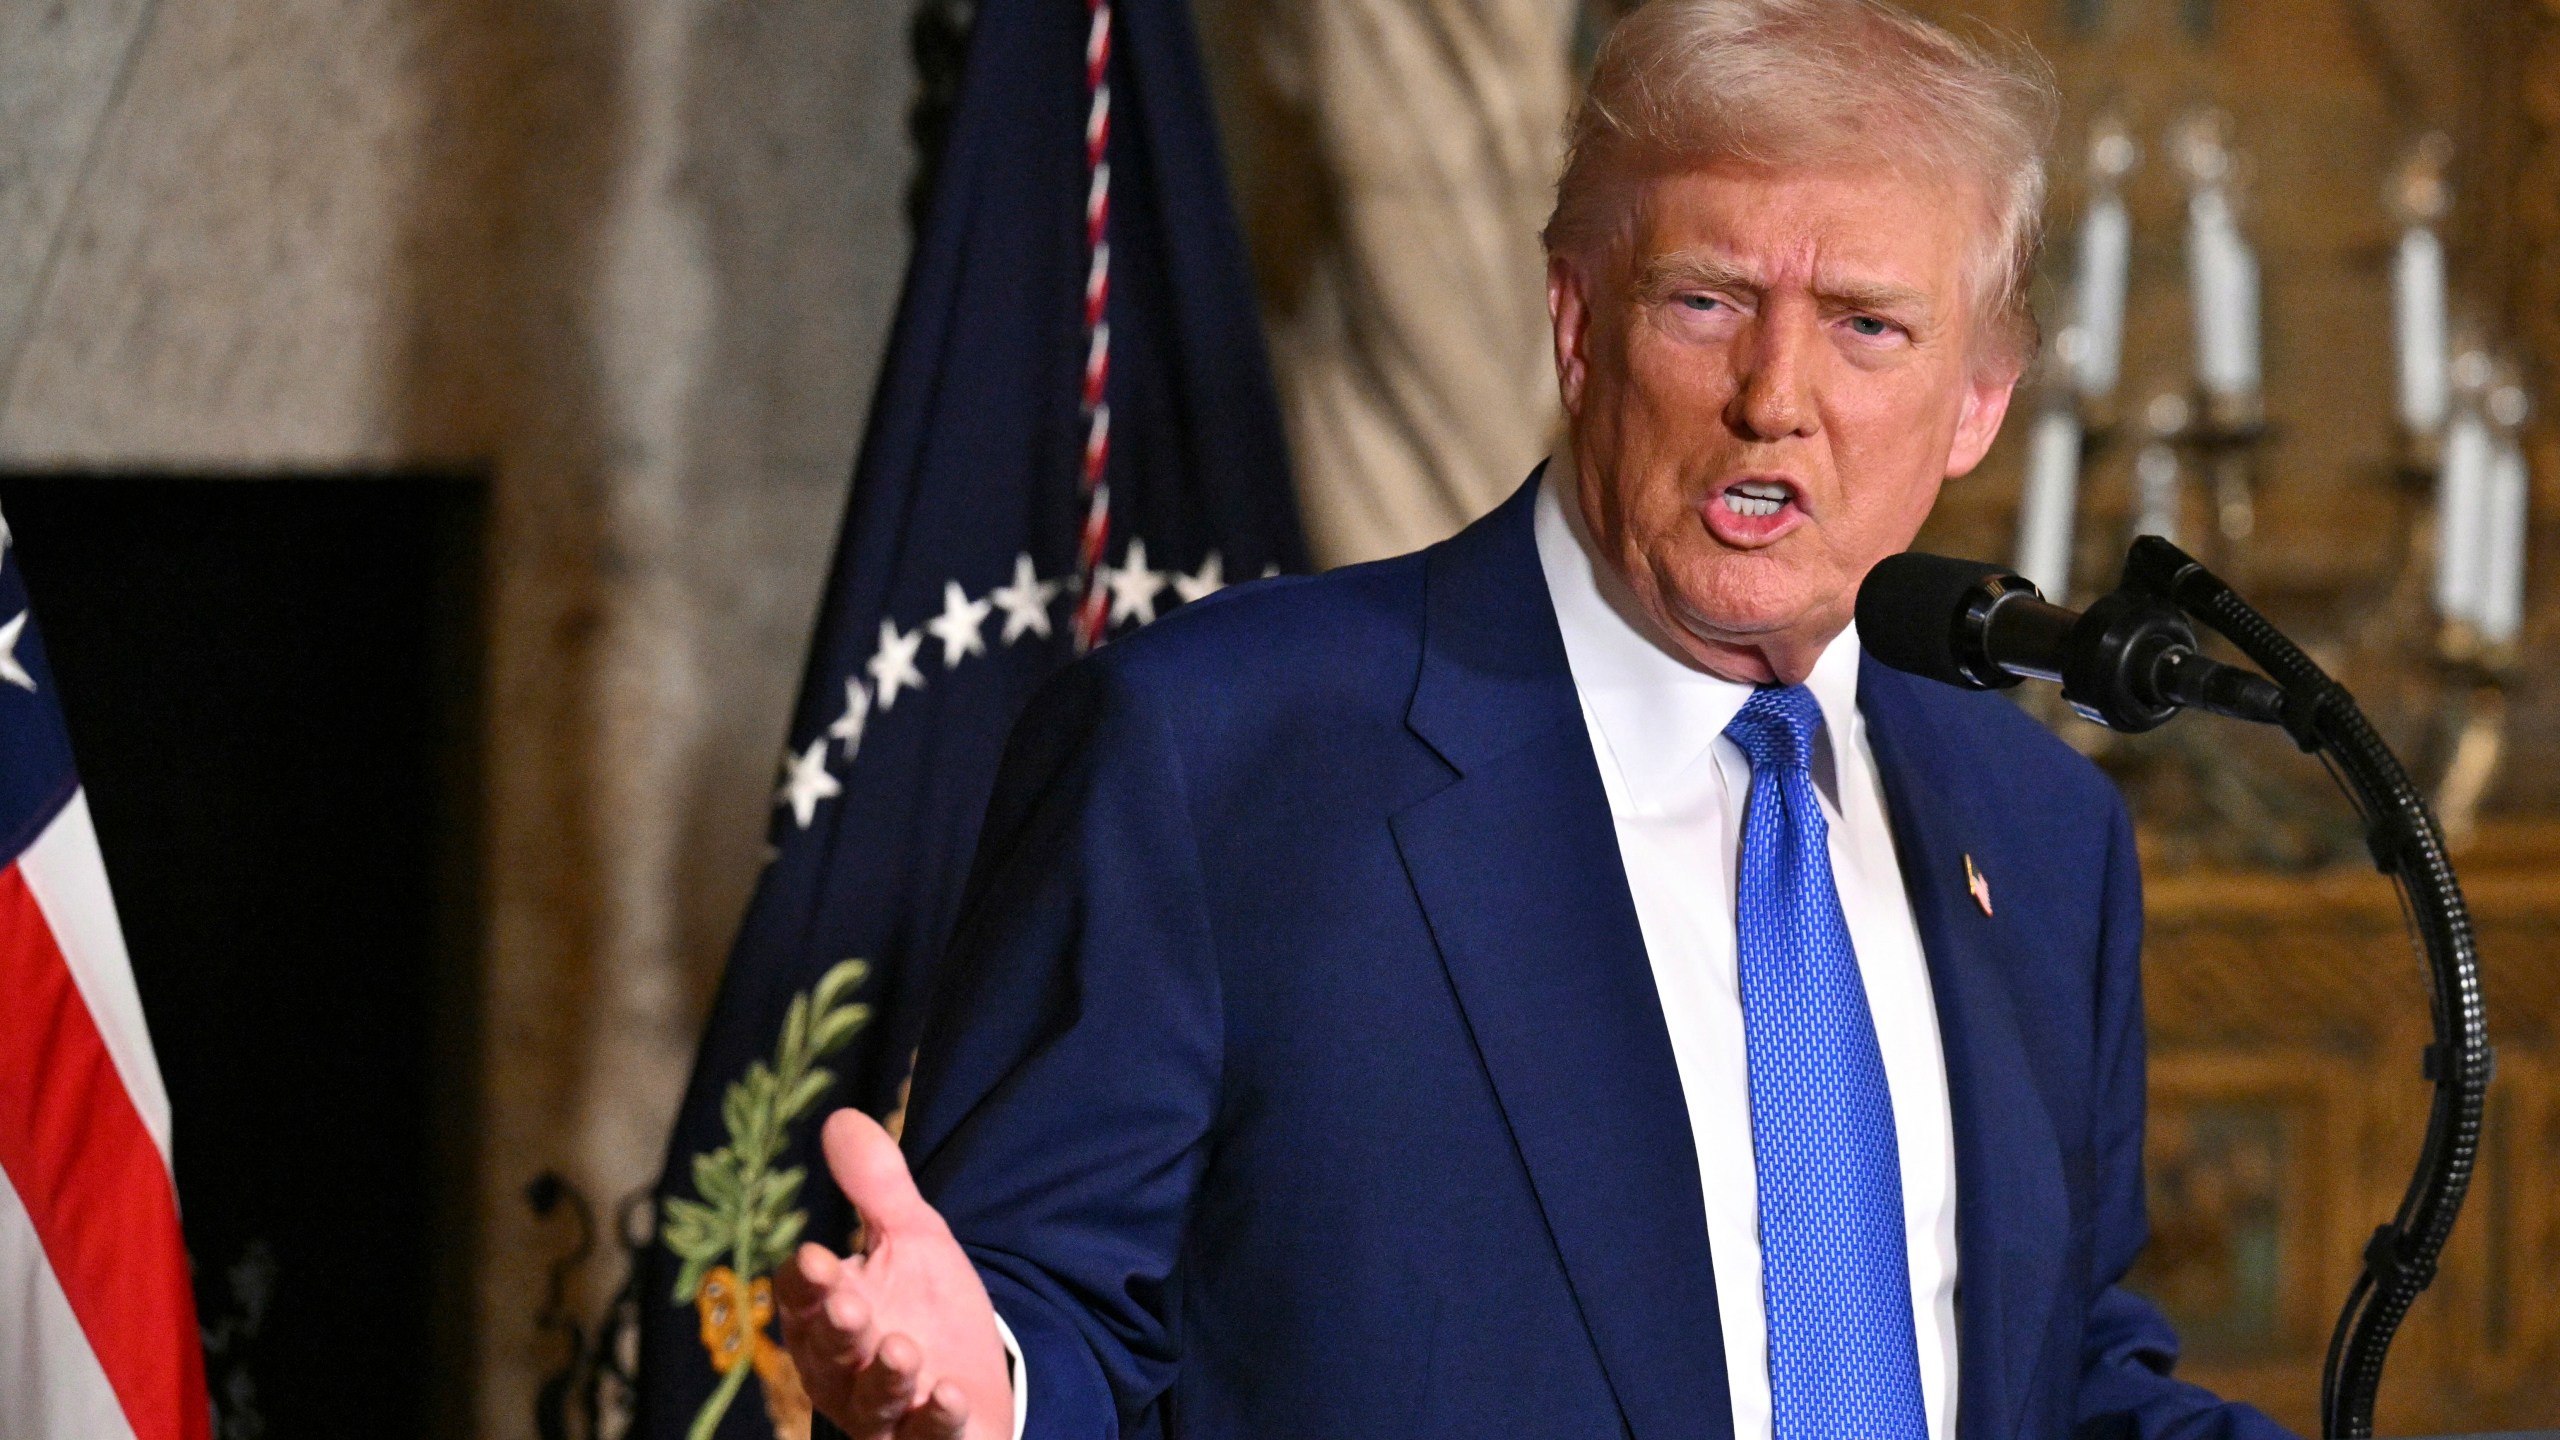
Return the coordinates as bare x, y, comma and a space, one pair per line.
1843, 1363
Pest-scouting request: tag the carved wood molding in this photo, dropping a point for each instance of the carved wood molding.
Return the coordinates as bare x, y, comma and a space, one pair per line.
2286, 1015
2325, 960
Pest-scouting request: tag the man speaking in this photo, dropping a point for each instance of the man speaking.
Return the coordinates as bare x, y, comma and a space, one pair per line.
1553, 984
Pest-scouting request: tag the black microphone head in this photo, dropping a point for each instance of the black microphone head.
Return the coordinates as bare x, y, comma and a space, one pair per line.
1912, 610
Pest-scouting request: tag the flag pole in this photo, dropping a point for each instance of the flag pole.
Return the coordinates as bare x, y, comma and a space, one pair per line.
1092, 604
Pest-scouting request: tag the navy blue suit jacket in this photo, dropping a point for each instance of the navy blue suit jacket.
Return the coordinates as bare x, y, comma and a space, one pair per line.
1297, 1069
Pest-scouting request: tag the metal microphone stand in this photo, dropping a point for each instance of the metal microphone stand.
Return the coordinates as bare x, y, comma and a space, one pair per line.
2408, 846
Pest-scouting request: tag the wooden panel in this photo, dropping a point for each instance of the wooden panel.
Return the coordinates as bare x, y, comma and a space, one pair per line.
2287, 1014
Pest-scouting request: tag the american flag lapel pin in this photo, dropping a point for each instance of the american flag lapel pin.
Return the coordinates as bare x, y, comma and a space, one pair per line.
1975, 882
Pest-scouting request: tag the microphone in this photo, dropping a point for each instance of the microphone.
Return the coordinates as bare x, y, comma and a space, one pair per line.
2128, 662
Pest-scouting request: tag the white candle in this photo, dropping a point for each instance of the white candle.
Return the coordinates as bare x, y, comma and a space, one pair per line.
2418, 313
2053, 493
2462, 496
2503, 536
2244, 309
2222, 278
2106, 255
2155, 482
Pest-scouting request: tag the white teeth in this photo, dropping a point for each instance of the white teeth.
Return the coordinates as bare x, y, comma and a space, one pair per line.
1758, 499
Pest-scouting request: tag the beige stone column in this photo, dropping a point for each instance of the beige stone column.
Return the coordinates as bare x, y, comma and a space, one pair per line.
1400, 159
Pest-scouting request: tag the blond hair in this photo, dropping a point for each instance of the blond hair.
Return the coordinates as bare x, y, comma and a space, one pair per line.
1787, 82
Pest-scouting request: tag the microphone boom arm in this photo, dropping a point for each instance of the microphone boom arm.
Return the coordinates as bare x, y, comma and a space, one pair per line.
2409, 847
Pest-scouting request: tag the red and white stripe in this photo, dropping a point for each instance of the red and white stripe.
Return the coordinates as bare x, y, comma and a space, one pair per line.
1093, 604
98, 1330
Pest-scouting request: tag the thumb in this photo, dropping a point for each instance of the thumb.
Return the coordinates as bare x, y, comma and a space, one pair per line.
872, 1173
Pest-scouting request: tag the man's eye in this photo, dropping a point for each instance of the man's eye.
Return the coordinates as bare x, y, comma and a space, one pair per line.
1702, 302
1870, 326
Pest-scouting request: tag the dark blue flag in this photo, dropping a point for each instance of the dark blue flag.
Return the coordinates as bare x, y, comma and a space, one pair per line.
1074, 432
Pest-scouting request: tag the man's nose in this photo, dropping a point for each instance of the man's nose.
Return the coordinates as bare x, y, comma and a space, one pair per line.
1774, 400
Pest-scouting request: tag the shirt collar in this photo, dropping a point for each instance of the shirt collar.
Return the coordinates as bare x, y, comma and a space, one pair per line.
1659, 712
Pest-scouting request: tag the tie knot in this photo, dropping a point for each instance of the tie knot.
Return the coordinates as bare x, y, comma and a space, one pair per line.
1776, 727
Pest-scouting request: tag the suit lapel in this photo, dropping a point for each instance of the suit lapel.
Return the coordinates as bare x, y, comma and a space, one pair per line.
2012, 1207
1516, 866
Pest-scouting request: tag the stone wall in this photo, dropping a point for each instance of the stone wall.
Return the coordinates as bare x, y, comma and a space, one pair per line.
632, 259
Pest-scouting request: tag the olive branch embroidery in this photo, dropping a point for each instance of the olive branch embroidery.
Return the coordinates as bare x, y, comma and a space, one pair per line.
747, 1216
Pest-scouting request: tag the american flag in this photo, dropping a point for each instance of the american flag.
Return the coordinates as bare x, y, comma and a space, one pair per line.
98, 1331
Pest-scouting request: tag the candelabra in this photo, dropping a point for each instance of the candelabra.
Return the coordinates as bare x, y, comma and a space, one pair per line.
2433, 633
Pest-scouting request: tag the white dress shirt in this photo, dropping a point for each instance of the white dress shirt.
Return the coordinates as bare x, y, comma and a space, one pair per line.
1676, 791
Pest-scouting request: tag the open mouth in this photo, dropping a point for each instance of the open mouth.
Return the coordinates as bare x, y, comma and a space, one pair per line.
1754, 512
1758, 499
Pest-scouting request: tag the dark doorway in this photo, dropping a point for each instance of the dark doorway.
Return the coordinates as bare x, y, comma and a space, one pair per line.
271, 687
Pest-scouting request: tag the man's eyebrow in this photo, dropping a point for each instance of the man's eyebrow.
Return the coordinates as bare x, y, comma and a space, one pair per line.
1877, 295
1666, 275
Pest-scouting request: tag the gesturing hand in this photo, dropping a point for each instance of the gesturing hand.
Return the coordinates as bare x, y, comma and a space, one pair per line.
897, 1342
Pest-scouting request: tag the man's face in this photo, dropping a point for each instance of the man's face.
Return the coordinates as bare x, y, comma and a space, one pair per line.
1766, 387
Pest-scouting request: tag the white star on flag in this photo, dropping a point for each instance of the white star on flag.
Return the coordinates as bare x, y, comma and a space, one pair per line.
806, 782
10, 670
895, 664
1207, 581
1134, 587
848, 726
1025, 602
957, 626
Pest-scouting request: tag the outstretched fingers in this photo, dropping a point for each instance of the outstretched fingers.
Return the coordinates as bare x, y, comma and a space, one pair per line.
860, 1326
944, 1416
800, 1285
885, 1390
822, 1311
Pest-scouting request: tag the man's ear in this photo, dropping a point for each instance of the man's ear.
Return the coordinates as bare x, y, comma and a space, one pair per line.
1569, 314
1986, 404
